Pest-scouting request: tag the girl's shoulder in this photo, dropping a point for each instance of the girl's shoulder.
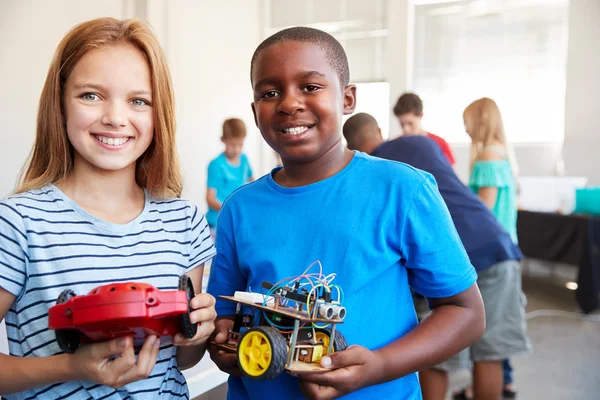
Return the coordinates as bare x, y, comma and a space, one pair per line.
175, 208
492, 153
42, 198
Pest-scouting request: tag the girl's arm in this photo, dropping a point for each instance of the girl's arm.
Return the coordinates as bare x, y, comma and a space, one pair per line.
91, 362
18, 373
204, 313
488, 194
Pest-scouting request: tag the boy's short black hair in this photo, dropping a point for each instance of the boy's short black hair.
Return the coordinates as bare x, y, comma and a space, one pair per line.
336, 56
408, 103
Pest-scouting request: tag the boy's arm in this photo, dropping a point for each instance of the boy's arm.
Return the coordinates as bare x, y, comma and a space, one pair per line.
225, 279
212, 181
438, 267
461, 318
211, 199
453, 324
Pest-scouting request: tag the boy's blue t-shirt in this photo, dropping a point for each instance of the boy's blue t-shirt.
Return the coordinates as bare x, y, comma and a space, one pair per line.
486, 241
381, 226
225, 179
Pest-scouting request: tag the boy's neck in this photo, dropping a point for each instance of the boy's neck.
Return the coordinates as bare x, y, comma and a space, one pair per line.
294, 174
233, 160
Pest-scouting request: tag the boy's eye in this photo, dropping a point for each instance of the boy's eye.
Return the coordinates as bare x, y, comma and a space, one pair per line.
311, 88
268, 95
140, 102
90, 97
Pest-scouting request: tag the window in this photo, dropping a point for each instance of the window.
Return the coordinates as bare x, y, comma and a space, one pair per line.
373, 98
513, 51
361, 27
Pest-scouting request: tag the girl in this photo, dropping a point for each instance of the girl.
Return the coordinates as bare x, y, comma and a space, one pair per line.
98, 203
493, 168
493, 171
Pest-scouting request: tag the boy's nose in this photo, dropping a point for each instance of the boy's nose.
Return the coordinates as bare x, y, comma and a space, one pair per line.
290, 104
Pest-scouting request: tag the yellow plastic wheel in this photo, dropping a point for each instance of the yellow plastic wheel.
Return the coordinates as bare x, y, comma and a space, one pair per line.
262, 352
323, 336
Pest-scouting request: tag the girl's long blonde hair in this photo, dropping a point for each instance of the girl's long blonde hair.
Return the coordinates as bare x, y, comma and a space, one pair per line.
51, 158
484, 123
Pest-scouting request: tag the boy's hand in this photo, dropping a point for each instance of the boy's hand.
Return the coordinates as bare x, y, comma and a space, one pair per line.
96, 363
352, 369
226, 361
204, 314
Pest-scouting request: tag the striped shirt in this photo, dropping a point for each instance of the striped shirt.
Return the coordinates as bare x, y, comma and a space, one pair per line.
48, 244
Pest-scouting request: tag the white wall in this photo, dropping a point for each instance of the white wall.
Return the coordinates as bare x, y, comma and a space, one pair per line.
209, 45
582, 135
582, 119
29, 33
398, 60
537, 159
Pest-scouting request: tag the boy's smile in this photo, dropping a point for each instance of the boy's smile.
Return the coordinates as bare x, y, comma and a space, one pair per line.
299, 103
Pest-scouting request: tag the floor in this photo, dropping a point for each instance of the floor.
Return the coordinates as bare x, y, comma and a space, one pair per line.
565, 364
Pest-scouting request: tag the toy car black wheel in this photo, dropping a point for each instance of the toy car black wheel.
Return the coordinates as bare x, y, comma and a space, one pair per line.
324, 335
68, 339
262, 353
187, 328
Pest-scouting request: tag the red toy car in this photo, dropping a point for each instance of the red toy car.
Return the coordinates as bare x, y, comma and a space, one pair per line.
122, 309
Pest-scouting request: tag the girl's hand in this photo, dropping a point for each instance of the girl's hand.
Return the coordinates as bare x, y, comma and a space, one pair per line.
204, 314
352, 369
96, 362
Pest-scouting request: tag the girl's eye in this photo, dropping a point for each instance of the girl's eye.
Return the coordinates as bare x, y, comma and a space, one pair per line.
90, 97
140, 102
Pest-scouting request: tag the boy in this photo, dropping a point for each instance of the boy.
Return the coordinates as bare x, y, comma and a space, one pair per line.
229, 170
490, 249
409, 111
377, 235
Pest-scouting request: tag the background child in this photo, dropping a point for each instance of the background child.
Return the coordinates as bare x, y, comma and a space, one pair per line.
98, 203
380, 236
229, 170
493, 171
409, 110
490, 249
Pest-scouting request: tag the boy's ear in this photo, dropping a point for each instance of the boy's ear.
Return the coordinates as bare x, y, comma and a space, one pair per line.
222, 139
254, 113
349, 99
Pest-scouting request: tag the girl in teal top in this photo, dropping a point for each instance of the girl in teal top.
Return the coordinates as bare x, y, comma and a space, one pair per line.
492, 170
497, 174
492, 178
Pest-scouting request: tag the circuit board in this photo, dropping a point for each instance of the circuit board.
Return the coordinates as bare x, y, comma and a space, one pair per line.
290, 312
